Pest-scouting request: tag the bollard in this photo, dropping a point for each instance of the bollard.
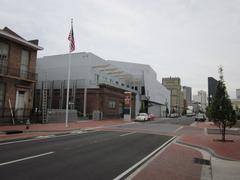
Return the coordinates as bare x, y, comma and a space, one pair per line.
28, 124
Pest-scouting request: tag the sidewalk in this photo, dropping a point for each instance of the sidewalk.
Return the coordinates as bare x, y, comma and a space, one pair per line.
177, 161
54, 128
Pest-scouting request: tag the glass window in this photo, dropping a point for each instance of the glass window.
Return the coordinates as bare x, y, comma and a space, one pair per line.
97, 78
1, 95
24, 63
112, 104
3, 57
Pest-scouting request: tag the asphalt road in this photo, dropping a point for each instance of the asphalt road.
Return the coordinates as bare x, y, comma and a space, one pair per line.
92, 155
178, 121
162, 125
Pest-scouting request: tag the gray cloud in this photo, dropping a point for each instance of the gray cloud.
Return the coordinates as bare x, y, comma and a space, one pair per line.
185, 38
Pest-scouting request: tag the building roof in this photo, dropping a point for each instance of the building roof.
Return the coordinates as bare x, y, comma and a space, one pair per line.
12, 36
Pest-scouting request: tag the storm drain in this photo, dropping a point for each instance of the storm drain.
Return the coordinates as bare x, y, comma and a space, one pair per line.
201, 161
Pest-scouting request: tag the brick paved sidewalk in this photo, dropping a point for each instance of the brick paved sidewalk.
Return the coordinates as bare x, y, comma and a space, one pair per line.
174, 163
226, 150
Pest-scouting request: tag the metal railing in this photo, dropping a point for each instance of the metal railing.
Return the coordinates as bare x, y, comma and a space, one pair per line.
19, 116
17, 72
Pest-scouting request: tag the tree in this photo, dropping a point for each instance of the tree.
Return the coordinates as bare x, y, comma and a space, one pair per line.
143, 107
221, 110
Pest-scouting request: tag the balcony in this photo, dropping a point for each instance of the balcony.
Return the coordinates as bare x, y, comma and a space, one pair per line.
16, 73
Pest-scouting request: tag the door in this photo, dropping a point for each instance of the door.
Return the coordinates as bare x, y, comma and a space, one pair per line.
21, 103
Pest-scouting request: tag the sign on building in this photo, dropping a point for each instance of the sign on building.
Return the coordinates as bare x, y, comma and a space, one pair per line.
127, 106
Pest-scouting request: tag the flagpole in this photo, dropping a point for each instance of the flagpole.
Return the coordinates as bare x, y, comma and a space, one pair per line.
68, 80
68, 84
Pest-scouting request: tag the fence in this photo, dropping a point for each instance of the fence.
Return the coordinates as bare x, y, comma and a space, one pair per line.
19, 116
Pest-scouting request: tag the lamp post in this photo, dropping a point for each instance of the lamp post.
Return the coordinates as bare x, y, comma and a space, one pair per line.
167, 111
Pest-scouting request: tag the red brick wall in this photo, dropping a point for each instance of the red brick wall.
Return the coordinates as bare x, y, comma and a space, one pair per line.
98, 99
14, 61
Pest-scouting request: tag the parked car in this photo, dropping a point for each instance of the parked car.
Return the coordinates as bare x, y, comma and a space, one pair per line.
151, 117
174, 115
142, 117
200, 117
190, 114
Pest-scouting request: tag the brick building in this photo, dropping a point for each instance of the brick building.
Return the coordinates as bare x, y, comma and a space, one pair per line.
17, 75
107, 99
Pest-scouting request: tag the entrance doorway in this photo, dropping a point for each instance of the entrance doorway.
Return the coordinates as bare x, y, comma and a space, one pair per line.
21, 103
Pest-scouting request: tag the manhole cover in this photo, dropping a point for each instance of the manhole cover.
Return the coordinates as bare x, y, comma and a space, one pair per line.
201, 161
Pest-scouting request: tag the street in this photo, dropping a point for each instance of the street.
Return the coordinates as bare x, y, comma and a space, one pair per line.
91, 155
167, 126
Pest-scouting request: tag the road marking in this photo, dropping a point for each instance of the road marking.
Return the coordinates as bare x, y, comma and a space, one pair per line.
178, 128
193, 124
77, 132
37, 138
127, 134
23, 159
143, 160
14, 142
45, 137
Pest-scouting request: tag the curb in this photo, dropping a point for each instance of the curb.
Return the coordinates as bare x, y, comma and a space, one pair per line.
228, 131
57, 130
212, 152
126, 174
32, 137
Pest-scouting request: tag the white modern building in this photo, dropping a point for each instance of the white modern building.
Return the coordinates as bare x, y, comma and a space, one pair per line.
91, 73
201, 99
156, 95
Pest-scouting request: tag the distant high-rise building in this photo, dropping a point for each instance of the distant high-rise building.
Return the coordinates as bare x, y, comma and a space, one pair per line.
238, 93
212, 86
187, 94
173, 84
200, 101
203, 99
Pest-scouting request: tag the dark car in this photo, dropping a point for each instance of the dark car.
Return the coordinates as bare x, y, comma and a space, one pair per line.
200, 117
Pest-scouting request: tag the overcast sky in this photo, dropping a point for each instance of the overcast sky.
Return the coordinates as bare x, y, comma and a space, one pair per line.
179, 38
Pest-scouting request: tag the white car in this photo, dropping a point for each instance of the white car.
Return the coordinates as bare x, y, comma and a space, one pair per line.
142, 117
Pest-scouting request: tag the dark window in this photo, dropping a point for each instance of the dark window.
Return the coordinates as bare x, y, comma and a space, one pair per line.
143, 90
2, 92
3, 57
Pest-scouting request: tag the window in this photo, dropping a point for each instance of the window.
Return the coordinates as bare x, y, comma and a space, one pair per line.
112, 104
1, 95
97, 78
24, 64
142, 90
3, 57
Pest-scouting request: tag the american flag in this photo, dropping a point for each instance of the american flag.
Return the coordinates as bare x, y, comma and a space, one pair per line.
71, 40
